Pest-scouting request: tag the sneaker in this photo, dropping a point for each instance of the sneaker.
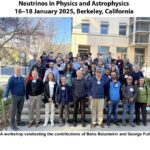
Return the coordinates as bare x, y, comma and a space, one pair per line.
37, 125
101, 125
138, 123
74, 124
14, 128
124, 123
83, 124
93, 125
45, 124
116, 123
52, 124
30, 125
132, 125
108, 123
21, 123
61, 124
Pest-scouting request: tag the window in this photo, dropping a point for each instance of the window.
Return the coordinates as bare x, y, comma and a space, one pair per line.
85, 27
104, 28
139, 56
122, 51
103, 50
122, 29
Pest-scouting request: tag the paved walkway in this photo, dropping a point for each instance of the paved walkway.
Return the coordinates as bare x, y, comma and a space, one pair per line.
87, 128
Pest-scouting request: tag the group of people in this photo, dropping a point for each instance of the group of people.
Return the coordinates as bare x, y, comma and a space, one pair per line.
59, 81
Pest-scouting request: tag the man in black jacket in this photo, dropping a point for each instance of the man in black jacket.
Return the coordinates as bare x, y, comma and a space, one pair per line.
34, 92
80, 88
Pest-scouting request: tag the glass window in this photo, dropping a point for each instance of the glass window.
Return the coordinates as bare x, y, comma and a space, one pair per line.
85, 27
122, 29
104, 28
103, 50
122, 51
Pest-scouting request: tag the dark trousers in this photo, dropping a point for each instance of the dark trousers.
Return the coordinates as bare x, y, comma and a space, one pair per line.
78, 102
17, 107
141, 107
63, 107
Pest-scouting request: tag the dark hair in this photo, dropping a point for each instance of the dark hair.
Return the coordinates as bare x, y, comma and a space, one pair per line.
62, 76
65, 70
33, 67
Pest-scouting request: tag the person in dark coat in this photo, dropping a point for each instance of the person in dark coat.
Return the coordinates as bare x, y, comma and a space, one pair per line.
49, 98
63, 98
80, 91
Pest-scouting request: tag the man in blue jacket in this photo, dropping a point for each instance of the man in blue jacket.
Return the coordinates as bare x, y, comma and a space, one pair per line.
96, 95
17, 88
113, 97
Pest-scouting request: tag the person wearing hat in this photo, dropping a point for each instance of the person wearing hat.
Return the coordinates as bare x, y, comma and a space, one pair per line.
53, 70
32, 62
96, 95
106, 76
129, 94
123, 77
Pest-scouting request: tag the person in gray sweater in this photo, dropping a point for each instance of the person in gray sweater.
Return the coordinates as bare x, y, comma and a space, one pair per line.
129, 94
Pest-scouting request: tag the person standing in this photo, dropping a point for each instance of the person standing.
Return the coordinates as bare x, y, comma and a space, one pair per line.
54, 70
32, 62
49, 98
113, 97
96, 95
120, 64
16, 85
128, 64
63, 97
129, 93
142, 101
79, 87
136, 74
123, 77
34, 90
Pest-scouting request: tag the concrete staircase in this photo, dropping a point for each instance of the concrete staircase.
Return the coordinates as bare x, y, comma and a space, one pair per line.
25, 116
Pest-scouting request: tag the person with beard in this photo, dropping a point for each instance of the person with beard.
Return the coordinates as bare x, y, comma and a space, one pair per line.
53, 70
113, 98
129, 93
63, 98
123, 77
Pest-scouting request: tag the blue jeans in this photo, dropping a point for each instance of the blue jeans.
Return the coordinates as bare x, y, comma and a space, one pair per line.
128, 107
113, 109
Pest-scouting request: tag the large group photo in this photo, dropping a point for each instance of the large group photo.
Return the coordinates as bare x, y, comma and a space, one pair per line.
78, 74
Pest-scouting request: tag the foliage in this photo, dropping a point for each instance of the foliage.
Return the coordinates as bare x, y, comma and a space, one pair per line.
7, 102
147, 80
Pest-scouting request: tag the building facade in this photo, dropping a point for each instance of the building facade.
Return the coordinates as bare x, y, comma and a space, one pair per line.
127, 37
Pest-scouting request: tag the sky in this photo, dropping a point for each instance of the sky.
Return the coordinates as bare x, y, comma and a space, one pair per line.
63, 25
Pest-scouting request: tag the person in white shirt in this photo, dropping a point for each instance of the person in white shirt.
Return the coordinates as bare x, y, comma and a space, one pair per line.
49, 98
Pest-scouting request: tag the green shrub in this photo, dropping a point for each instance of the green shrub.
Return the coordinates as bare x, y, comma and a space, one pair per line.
147, 80
7, 102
